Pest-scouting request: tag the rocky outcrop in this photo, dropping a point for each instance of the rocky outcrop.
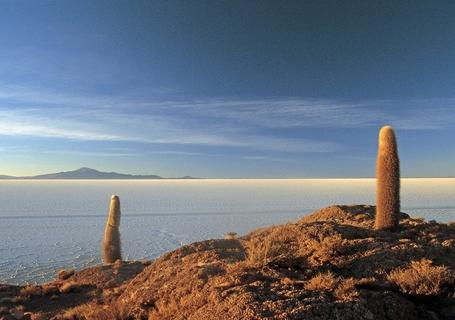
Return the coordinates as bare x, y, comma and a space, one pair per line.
332, 264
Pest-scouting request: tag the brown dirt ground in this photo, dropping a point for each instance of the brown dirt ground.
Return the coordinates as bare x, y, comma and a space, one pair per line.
331, 264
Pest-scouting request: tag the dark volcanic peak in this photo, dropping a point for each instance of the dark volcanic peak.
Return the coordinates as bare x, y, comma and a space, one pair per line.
85, 169
89, 173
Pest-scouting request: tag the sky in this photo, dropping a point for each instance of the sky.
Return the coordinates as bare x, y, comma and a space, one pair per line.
221, 89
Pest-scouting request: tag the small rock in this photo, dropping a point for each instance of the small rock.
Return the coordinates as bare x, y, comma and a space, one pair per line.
64, 274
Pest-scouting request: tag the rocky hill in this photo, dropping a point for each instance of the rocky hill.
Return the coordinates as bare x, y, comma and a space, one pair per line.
331, 264
88, 173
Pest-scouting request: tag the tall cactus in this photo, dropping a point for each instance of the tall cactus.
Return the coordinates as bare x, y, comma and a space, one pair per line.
111, 241
387, 181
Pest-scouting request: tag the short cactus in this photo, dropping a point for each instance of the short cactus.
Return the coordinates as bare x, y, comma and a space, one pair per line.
387, 181
111, 241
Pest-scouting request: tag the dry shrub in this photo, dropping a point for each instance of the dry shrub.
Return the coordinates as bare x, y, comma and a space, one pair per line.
230, 236
65, 274
318, 242
323, 282
93, 311
32, 290
259, 252
421, 278
346, 290
208, 270
39, 290
167, 309
164, 310
69, 287
343, 289
278, 242
328, 248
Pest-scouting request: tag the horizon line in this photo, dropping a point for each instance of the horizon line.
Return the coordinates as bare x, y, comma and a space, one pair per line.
221, 178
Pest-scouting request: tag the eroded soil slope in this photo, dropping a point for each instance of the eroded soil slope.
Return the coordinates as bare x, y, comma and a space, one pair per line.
329, 265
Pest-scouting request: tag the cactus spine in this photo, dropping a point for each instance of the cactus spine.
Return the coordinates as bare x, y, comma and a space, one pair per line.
111, 241
387, 181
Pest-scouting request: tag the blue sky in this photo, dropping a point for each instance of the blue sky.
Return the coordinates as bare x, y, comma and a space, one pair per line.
226, 89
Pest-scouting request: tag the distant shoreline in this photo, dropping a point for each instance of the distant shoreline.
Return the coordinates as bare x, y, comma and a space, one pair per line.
204, 179
93, 174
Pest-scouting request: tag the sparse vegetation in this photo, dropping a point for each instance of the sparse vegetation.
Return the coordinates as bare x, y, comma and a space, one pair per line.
65, 274
346, 290
323, 282
341, 288
422, 278
270, 245
93, 311
68, 287
387, 181
230, 236
329, 265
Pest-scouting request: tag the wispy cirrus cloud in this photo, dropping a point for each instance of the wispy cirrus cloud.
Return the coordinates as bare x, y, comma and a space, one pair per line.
235, 123
90, 153
266, 158
112, 126
325, 113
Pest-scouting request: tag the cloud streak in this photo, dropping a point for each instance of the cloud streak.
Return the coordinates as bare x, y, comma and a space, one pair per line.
211, 122
90, 153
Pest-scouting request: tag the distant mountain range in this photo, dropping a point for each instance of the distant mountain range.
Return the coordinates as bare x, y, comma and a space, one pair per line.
88, 173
